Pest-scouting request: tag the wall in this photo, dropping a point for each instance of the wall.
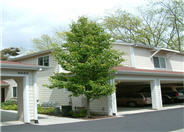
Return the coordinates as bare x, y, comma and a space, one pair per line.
9, 90
45, 95
126, 50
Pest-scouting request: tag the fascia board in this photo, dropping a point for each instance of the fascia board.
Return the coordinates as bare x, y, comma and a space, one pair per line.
149, 73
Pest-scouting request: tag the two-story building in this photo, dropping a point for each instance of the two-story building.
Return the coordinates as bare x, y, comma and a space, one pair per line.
144, 66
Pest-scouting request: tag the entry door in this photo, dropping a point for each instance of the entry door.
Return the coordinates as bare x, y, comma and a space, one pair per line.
2, 94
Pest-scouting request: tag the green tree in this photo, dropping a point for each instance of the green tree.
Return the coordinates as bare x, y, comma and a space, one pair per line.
46, 42
8, 52
126, 27
173, 10
161, 24
88, 56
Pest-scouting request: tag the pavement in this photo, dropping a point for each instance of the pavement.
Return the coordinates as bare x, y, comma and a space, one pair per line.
170, 120
128, 110
9, 118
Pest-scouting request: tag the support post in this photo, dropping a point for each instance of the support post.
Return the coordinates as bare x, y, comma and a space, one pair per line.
112, 105
26, 99
156, 94
35, 97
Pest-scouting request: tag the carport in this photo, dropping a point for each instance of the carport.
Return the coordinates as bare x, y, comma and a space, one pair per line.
25, 77
151, 78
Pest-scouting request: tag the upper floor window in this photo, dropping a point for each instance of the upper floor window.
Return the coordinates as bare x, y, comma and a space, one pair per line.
43, 61
159, 62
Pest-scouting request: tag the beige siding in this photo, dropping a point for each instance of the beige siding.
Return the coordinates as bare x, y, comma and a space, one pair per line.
126, 50
143, 58
46, 95
175, 62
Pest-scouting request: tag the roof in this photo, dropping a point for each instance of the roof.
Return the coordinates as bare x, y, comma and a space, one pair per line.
31, 55
137, 71
18, 65
147, 47
3, 83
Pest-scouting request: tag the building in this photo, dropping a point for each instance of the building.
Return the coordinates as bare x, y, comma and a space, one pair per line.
143, 66
8, 90
26, 88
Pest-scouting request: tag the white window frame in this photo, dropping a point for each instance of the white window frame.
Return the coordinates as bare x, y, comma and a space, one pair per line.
159, 62
43, 60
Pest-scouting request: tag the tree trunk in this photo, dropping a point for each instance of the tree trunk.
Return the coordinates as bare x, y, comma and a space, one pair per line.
87, 107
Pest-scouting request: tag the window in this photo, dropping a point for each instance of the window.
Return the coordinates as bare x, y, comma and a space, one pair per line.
159, 62
14, 91
43, 61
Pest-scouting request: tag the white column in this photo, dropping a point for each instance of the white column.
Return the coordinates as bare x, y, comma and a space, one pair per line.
112, 105
156, 94
35, 95
26, 99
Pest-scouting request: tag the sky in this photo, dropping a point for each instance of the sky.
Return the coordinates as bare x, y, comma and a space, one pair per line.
23, 20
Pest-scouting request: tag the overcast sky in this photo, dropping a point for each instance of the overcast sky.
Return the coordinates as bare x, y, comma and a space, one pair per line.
23, 20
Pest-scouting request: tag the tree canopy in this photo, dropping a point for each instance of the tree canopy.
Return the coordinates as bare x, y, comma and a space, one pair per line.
8, 52
161, 24
88, 57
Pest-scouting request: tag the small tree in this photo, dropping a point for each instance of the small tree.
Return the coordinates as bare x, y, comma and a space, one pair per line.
88, 56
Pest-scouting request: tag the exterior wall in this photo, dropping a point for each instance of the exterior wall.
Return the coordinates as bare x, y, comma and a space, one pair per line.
126, 50
9, 89
175, 62
45, 95
99, 106
142, 58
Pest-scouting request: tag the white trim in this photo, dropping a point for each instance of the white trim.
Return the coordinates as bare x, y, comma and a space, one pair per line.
132, 56
112, 104
26, 99
156, 94
155, 53
35, 95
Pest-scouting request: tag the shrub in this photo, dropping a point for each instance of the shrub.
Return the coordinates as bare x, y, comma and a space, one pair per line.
45, 110
9, 105
80, 113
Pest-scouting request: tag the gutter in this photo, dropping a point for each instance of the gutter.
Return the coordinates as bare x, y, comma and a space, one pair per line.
34, 68
150, 73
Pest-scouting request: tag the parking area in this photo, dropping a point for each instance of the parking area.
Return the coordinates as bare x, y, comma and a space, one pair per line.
137, 95
134, 110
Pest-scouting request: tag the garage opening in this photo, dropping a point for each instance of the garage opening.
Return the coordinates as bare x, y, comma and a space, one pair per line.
133, 95
172, 93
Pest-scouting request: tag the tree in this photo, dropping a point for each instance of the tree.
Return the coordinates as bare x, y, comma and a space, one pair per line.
8, 52
88, 56
174, 12
126, 27
161, 24
46, 42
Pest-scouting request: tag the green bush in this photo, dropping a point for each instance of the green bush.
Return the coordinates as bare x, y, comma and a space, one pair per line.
45, 110
9, 105
80, 113
9, 102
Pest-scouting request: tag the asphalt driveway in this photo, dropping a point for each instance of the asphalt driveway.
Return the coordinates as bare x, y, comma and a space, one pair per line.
166, 120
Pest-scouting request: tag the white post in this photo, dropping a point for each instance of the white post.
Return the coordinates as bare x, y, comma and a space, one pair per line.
156, 94
26, 99
112, 105
35, 96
